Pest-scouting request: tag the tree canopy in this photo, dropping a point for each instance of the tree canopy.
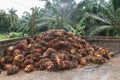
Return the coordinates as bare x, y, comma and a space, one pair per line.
88, 18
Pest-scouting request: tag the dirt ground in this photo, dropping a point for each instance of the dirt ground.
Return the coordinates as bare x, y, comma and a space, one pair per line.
108, 71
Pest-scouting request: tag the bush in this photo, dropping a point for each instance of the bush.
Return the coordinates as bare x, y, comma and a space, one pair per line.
15, 35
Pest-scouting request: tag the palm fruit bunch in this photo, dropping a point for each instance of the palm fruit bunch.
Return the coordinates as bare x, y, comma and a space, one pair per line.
53, 50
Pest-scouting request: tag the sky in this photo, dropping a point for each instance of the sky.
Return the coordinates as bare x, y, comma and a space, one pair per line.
21, 5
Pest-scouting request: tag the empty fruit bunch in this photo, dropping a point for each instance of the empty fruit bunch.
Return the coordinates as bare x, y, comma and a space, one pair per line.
53, 50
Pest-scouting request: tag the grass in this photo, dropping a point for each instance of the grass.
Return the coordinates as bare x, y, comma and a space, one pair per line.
11, 35
4, 37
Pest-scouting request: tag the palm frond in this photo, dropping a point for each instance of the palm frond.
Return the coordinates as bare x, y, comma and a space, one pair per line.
99, 29
96, 17
68, 27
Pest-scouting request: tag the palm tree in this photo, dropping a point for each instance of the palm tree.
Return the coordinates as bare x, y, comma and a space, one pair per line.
108, 18
58, 12
4, 22
25, 23
13, 17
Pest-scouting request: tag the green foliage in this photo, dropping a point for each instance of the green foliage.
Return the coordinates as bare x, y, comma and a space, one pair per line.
7, 20
13, 17
117, 35
12, 35
58, 12
68, 27
106, 19
4, 22
78, 30
15, 35
4, 37
100, 29
24, 24
116, 4
88, 17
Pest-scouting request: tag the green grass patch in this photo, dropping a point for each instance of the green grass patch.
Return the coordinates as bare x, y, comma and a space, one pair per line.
11, 35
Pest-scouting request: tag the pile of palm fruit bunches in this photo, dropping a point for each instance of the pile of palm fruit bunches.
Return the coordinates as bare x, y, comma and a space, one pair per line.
53, 50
